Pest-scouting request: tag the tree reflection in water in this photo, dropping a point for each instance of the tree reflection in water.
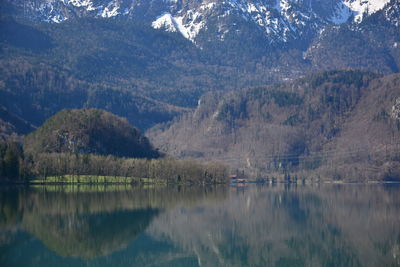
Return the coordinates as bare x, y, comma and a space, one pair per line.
327, 225
349, 225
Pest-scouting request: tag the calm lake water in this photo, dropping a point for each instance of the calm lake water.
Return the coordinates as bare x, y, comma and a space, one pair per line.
320, 225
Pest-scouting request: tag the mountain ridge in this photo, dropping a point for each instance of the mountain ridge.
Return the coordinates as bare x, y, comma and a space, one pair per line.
279, 21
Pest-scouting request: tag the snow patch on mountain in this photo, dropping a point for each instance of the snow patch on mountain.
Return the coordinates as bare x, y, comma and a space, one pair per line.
165, 21
79, 3
56, 16
189, 29
362, 8
111, 10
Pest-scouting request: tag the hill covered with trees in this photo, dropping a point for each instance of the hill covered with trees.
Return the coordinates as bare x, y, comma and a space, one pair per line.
89, 131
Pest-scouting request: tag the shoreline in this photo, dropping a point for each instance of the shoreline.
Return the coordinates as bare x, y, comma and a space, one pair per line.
166, 183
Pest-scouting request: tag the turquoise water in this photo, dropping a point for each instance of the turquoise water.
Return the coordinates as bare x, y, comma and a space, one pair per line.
325, 225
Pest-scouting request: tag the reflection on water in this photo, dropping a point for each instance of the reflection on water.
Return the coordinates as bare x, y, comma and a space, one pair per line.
327, 225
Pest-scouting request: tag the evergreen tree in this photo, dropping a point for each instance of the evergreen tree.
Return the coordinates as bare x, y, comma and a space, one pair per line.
11, 162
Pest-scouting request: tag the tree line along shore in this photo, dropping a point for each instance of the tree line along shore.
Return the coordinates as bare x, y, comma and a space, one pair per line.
16, 166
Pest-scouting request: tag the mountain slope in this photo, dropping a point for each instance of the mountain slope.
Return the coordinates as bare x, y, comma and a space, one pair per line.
373, 44
12, 126
35, 92
313, 123
283, 36
121, 64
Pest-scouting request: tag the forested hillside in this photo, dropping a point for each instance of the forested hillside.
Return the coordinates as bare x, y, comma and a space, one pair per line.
323, 123
36, 91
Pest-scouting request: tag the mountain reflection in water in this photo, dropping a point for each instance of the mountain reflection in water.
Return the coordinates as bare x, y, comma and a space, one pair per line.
327, 225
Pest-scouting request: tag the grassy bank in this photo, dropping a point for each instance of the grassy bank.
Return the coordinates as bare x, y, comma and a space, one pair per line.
93, 179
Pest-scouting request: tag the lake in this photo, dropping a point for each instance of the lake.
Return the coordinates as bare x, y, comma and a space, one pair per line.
254, 225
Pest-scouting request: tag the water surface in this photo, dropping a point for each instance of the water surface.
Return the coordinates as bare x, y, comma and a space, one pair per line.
325, 225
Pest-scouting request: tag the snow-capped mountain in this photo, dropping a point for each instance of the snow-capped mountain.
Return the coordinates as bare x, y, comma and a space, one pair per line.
279, 21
